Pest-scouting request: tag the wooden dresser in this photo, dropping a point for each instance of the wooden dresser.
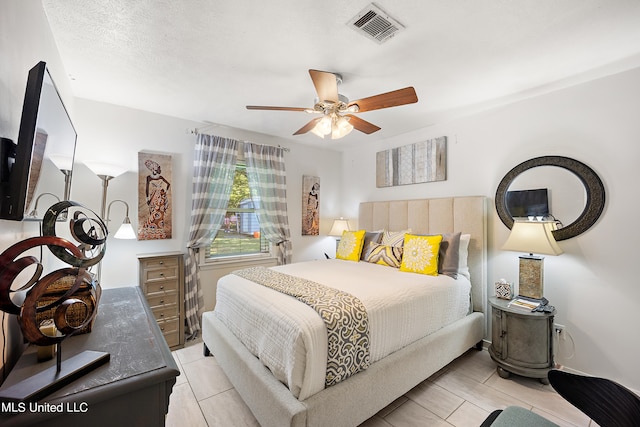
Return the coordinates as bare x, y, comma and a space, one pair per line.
162, 283
131, 389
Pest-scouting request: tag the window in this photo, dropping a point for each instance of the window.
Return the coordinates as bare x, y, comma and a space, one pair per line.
240, 232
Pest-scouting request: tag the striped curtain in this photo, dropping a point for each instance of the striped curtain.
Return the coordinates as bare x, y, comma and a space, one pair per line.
214, 166
268, 182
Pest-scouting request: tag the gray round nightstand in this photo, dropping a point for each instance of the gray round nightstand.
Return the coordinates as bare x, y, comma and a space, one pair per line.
521, 341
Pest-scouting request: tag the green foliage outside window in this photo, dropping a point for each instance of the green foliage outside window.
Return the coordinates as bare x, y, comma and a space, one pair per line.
239, 233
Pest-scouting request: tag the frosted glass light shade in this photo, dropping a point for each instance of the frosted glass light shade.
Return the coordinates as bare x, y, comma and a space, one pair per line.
106, 169
125, 231
64, 163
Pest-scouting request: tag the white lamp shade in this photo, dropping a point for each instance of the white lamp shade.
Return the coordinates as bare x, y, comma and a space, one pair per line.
339, 225
533, 237
62, 162
125, 231
341, 128
106, 169
332, 124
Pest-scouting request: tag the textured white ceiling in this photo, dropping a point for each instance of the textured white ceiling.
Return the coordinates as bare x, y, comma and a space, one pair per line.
204, 60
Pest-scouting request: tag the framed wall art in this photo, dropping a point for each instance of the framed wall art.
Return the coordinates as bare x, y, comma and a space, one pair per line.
154, 196
310, 205
424, 161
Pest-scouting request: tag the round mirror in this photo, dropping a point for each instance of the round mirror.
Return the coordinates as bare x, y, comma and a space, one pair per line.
576, 203
565, 194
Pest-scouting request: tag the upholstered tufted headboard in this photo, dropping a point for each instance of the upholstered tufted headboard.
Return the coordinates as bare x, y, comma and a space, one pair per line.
433, 216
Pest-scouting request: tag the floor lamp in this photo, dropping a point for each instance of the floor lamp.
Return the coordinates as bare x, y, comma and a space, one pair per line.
65, 164
106, 172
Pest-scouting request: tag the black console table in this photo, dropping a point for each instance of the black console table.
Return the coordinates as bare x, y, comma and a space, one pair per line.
132, 388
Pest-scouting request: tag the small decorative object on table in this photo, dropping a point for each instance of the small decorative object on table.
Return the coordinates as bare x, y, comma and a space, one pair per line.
504, 289
75, 304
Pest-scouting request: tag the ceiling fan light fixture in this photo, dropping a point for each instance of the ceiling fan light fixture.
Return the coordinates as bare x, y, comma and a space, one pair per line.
338, 118
317, 132
341, 127
323, 127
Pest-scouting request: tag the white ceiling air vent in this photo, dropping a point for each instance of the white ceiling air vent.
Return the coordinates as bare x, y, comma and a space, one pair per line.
375, 24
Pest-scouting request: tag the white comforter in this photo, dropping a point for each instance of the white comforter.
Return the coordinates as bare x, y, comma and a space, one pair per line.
290, 338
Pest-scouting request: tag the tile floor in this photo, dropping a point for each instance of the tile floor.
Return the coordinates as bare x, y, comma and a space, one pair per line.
462, 394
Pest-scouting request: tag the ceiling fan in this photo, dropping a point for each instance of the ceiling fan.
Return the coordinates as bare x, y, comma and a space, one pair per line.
337, 112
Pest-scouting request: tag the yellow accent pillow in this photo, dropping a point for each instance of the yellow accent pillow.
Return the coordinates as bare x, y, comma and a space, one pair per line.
421, 254
350, 247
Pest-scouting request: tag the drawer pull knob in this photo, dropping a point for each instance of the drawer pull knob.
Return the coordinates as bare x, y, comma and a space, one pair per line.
162, 274
161, 301
161, 314
162, 328
162, 287
161, 262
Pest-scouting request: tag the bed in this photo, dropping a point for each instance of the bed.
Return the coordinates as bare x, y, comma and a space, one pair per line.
393, 371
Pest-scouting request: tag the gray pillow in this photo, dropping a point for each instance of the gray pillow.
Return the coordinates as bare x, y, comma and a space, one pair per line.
370, 237
448, 256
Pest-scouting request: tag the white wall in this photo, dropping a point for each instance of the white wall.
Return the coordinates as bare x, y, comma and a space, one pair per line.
116, 134
594, 284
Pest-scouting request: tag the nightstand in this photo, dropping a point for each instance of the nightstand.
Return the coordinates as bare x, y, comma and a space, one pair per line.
521, 341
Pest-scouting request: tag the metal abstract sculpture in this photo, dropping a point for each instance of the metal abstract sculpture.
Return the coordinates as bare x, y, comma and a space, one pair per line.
90, 234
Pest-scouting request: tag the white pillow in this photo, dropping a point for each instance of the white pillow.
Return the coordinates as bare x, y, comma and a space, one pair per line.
463, 254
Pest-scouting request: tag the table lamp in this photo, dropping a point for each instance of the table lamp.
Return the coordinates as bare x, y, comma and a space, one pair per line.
339, 226
532, 237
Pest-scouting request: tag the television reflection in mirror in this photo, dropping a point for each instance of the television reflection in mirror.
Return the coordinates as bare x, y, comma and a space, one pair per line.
42, 159
528, 203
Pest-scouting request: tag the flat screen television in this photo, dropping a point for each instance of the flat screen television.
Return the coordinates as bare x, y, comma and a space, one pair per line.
525, 203
41, 162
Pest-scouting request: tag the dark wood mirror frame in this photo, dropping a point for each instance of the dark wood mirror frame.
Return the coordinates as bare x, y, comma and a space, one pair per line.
592, 185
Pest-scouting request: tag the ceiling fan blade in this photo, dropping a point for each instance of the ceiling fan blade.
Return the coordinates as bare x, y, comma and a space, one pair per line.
306, 128
326, 85
264, 107
362, 125
385, 100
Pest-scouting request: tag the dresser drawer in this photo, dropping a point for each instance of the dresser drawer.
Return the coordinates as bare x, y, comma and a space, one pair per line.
172, 338
170, 298
159, 274
159, 262
168, 326
169, 286
164, 312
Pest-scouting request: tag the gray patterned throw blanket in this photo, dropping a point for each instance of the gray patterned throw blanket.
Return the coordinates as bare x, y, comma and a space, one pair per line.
344, 315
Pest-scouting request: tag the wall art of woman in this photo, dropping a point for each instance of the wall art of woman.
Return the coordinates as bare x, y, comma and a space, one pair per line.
157, 198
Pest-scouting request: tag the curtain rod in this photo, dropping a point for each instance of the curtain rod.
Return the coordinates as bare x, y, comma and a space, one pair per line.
198, 131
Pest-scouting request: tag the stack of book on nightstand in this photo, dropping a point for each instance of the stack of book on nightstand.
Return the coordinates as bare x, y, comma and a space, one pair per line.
524, 303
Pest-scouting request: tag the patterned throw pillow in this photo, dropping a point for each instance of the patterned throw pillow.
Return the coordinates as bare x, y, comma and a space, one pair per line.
421, 254
394, 238
350, 246
384, 255
370, 237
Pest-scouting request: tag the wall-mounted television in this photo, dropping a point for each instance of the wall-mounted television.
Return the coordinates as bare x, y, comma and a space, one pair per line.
525, 203
41, 162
